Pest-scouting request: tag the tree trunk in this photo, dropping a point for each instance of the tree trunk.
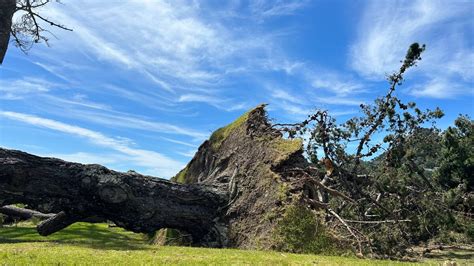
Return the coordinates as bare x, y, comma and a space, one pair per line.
135, 202
7, 9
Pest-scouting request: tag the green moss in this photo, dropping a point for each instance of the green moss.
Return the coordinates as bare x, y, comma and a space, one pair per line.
181, 176
287, 145
301, 231
218, 137
283, 191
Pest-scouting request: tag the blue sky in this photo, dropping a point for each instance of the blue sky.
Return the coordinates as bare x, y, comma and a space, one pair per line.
141, 84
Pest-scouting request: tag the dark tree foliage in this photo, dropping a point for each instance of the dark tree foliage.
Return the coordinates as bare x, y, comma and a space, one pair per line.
455, 173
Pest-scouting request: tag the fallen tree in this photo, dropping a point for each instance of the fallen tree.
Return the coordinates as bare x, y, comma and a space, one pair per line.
251, 186
236, 189
135, 202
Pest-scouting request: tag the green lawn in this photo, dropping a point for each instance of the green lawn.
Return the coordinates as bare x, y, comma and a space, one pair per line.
93, 244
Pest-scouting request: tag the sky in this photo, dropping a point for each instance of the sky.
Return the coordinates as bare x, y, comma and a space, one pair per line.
141, 84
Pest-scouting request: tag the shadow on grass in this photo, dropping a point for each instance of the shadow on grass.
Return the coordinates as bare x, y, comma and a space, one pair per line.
452, 254
97, 236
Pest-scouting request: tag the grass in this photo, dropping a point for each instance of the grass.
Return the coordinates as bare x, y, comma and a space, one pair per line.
222, 133
180, 177
286, 147
98, 244
216, 140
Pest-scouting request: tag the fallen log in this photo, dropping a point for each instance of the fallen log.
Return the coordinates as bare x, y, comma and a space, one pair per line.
135, 202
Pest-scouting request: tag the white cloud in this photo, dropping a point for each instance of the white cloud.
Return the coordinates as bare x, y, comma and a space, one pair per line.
145, 98
165, 166
54, 71
335, 100
171, 41
174, 48
88, 158
180, 142
286, 96
218, 102
336, 84
36, 92
199, 98
282, 64
78, 100
124, 120
343, 112
295, 110
388, 28
329, 89
189, 154
439, 88
21, 88
37, 88
270, 8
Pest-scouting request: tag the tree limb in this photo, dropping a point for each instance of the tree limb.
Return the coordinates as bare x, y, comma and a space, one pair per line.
24, 214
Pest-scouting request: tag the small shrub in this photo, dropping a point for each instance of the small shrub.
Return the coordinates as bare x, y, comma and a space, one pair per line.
301, 231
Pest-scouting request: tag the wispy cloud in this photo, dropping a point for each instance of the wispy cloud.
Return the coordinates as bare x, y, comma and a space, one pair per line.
165, 166
34, 88
145, 98
439, 88
335, 100
218, 102
294, 105
337, 84
170, 41
88, 157
21, 88
123, 120
189, 154
180, 142
176, 49
318, 88
388, 28
43, 96
77, 99
270, 8
285, 95
290, 67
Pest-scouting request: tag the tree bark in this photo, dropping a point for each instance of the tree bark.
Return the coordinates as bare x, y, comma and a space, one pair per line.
7, 9
135, 202
24, 214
